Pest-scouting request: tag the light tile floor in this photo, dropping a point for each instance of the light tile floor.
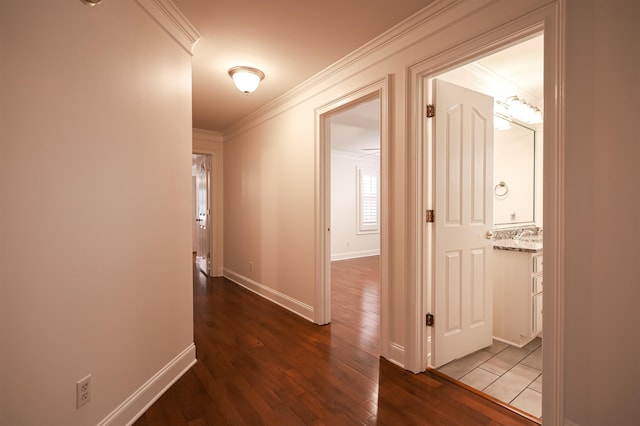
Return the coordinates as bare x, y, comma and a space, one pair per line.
509, 374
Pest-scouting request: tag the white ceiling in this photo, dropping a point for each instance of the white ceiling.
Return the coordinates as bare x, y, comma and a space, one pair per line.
357, 129
289, 40
522, 65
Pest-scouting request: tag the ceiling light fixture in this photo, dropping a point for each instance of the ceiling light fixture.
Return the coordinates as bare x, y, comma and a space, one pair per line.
246, 79
91, 2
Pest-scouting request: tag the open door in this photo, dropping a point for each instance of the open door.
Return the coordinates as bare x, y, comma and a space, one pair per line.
463, 167
203, 218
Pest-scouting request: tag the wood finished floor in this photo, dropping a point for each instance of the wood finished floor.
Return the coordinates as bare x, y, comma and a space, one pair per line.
259, 364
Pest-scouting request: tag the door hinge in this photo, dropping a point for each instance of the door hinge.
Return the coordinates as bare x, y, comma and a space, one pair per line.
431, 110
430, 216
429, 320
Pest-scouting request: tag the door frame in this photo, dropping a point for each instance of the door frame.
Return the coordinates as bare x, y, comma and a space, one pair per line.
322, 305
418, 296
210, 143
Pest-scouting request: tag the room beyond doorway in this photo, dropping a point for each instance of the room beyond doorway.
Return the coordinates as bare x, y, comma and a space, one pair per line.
369, 218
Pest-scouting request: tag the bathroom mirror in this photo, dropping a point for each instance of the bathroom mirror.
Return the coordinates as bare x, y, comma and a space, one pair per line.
513, 175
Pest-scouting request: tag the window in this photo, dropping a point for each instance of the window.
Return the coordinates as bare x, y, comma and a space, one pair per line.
368, 201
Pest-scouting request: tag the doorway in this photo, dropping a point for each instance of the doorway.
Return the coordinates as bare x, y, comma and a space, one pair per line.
363, 112
201, 220
490, 366
354, 136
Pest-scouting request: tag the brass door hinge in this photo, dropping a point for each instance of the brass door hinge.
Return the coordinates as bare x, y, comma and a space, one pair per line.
431, 110
429, 320
430, 216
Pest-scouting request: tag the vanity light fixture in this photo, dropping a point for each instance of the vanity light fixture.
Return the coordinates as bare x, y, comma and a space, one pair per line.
519, 109
536, 118
246, 79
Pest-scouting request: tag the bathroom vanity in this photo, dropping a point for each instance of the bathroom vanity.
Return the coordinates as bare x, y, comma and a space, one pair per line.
517, 291
517, 254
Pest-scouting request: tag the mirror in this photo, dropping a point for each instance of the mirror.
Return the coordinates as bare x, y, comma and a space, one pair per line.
514, 175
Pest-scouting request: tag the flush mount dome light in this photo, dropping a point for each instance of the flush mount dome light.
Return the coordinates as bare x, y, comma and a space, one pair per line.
91, 2
246, 79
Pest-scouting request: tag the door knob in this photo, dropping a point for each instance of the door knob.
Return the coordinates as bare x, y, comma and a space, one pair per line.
488, 235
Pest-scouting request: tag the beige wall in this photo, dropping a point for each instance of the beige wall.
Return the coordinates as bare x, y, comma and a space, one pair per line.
602, 372
269, 205
95, 155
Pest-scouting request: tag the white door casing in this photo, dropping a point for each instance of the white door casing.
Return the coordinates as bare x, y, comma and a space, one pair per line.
463, 165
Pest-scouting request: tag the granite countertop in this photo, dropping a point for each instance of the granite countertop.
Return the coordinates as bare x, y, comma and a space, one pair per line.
518, 245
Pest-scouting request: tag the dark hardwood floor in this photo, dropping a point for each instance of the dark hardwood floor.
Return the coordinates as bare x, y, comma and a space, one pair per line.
259, 364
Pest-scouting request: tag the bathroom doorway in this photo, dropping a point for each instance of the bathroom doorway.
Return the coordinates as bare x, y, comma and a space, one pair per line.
511, 373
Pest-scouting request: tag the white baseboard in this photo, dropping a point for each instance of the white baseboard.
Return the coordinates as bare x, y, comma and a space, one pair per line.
289, 303
396, 354
355, 254
134, 406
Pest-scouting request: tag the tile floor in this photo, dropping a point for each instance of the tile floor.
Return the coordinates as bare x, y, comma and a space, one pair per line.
510, 374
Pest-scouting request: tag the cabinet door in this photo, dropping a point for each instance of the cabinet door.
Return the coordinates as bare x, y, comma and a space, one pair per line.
537, 264
537, 313
537, 284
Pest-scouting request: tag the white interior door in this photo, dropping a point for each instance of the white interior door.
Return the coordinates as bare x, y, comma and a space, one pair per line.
463, 142
203, 177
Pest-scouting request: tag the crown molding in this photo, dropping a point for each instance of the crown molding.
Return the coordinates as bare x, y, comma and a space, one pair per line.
403, 29
167, 14
207, 135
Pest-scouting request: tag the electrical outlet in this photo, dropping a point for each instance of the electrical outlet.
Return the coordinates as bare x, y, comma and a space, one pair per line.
83, 391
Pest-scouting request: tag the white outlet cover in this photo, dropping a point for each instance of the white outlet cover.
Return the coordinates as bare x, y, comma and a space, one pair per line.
83, 391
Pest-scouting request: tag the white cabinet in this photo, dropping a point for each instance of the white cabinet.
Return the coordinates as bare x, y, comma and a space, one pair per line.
517, 296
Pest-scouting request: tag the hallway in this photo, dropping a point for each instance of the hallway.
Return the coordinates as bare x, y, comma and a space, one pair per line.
260, 364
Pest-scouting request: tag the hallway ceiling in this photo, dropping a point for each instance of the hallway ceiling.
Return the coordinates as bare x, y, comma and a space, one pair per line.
289, 40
